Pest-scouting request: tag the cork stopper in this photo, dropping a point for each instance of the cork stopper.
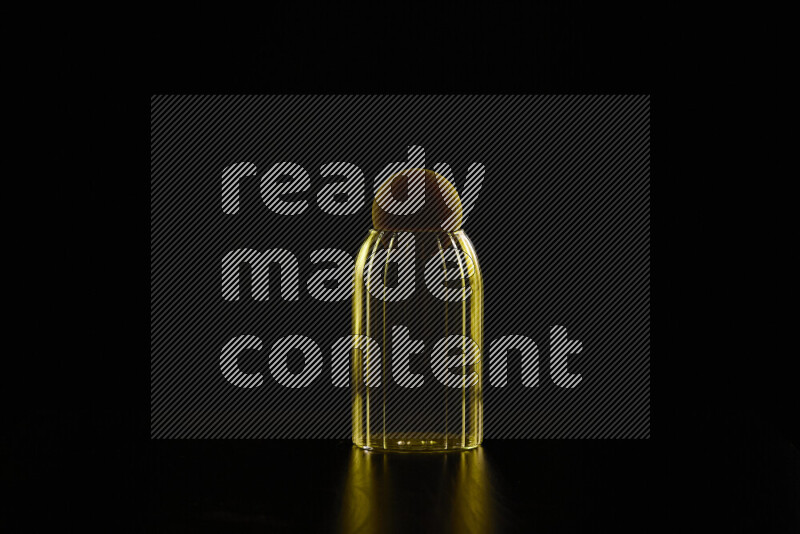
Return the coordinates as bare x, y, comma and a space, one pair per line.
417, 200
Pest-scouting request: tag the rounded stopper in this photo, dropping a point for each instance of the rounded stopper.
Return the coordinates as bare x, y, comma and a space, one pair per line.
417, 200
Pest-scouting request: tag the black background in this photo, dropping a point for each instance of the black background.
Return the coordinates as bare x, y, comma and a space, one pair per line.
725, 456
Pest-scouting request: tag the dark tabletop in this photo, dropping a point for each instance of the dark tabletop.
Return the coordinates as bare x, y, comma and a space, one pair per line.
736, 473
504, 486
331, 486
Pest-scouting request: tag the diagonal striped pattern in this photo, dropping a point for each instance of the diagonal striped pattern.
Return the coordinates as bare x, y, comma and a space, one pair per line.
561, 225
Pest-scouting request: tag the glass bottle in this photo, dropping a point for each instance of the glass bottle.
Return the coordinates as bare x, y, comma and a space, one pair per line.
417, 371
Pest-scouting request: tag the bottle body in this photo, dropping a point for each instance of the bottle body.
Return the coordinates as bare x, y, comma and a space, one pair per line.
416, 364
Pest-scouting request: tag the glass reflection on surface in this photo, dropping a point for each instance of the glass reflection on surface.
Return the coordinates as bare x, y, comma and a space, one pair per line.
423, 492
